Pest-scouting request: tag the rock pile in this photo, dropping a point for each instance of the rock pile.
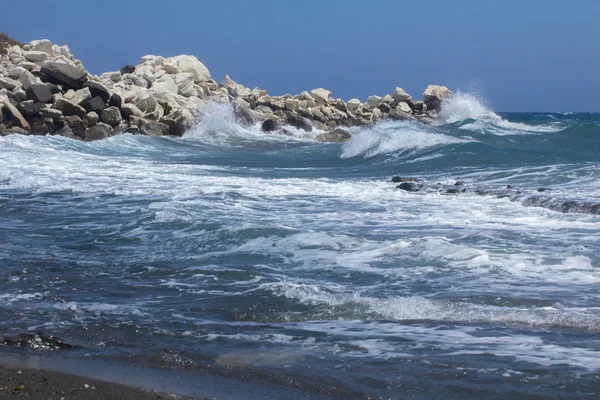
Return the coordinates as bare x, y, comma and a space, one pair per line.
45, 90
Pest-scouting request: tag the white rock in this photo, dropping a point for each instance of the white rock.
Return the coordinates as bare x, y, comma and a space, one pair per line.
16, 50
292, 104
29, 66
374, 101
35, 55
114, 76
320, 95
28, 79
166, 82
400, 95
41, 45
9, 84
404, 107
192, 65
434, 96
61, 51
185, 84
353, 104
149, 58
145, 102
170, 67
16, 72
81, 95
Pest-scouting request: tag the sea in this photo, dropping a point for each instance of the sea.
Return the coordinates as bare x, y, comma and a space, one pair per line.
272, 259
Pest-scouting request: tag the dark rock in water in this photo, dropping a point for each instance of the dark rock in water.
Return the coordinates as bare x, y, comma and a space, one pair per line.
544, 190
243, 113
65, 74
39, 93
458, 183
42, 126
97, 89
510, 187
35, 341
115, 101
335, 136
29, 108
127, 69
271, 125
298, 122
95, 104
76, 124
398, 179
178, 121
3, 130
67, 132
17, 129
148, 127
455, 190
410, 186
111, 116
98, 132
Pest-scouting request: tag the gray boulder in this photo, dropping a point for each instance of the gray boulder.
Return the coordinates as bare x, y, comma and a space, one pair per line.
111, 116
335, 136
39, 93
97, 89
298, 122
68, 108
76, 124
271, 125
16, 116
91, 118
95, 104
434, 96
43, 126
178, 121
29, 108
65, 74
98, 132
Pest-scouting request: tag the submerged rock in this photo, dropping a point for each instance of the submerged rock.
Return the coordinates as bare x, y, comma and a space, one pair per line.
335, 136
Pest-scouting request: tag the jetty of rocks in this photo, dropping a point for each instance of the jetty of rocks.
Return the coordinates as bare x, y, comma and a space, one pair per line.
44, 90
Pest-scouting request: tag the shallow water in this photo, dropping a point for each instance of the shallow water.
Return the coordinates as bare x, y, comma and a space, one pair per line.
275, 258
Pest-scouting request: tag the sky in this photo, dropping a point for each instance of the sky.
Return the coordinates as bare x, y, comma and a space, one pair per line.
526, 55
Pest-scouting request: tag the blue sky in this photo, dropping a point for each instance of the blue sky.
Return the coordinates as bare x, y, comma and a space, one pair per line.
527, 55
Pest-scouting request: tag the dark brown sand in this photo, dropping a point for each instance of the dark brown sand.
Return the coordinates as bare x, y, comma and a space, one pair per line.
23, 383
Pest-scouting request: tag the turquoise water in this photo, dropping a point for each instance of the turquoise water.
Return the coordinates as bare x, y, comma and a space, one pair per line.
276, 258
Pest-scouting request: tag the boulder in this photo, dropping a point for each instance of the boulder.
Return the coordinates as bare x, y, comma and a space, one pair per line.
292, 104
16, 116
321, 96
298, 122
397, 113
185, 84
43, 125
27, 79
76, 124
39, 93
410, 186
8, 83
65, 74
374, 101
353, 104
149, 128
98, 132
114, 76
243, 113
192, 65
51, 113
80, 96
111, 116
91, 119
43, 45
146, 102
400, 95
95, 104
29, 108
67, 132
35, 56
336, 136
115, 100
404, 107
127, 69
418, 106
29, 66
97, 89
434, 96
271, 125
131, 109
16, 72
166, 82
178, 121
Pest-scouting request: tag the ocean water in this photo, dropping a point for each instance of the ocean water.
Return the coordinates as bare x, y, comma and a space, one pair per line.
274, 258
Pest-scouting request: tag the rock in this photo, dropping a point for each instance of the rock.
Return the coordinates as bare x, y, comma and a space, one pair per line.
67, 132
16, 116
292, 104
335, 136
418, 106
131, 109
115, 100
192, 65
271, 125
29, 66
400, 95
43, 126
16, 72
77, 125
8, 83
35, 56
374, 101
166, 82
434, 96
127, 69
150, 128
29, 108
43, 45
111, 116
65, 74
95, 104
97, 89
19, 94
353, 104
146, 102
185, 84
18, 130
385, 107
243, 113
398, 179
114, 76
397, 113
410, 186
298, 122
404, 107
51, 113
178, 121
98, 132
91, 119
39, 93
80, 96
321, 96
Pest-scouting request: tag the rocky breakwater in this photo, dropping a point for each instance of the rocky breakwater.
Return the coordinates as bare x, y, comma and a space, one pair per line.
45, 90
